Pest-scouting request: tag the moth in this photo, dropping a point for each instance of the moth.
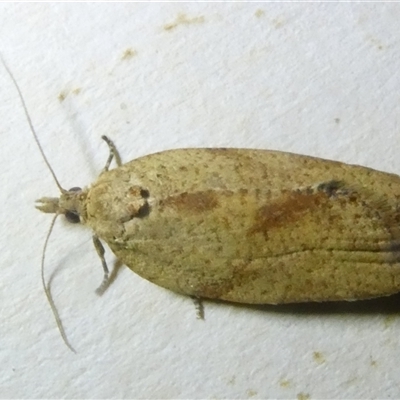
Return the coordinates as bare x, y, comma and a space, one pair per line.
242, 225
247, 226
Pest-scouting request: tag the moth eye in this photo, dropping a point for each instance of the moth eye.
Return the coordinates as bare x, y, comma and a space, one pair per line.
75, 189
73, 217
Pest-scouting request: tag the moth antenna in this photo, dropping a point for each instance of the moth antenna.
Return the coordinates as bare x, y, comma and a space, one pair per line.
31, 125
47, 290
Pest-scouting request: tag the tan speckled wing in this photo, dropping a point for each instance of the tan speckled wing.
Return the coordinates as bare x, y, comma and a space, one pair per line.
252, 226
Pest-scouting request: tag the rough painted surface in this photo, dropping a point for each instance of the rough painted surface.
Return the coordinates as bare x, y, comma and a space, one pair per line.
251, 226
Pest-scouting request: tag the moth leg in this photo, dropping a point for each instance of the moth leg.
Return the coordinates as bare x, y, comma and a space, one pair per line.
100, 251
113, 154
198, 303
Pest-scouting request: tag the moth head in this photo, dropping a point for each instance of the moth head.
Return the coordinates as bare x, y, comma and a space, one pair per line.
69, 204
